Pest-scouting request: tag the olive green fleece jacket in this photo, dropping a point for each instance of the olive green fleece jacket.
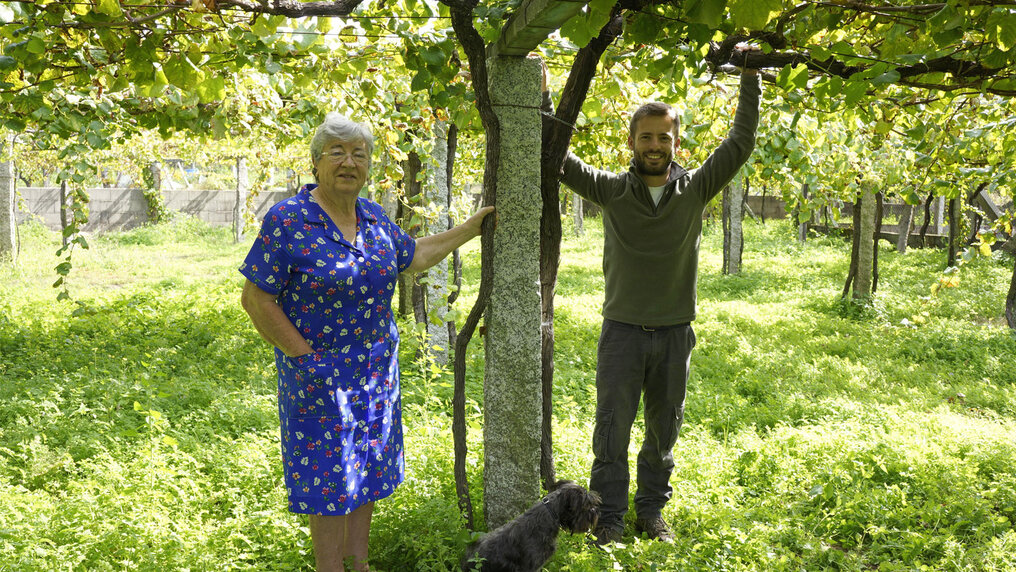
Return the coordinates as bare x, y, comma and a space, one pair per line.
650, 253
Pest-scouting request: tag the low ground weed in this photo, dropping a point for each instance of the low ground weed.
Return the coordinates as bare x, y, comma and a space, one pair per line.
139, 430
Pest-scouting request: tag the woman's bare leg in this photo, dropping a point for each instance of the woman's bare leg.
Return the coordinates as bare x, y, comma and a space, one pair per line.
357, 536
338, 538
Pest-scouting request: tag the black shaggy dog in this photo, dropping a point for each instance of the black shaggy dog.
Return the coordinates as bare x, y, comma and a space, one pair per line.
526, 543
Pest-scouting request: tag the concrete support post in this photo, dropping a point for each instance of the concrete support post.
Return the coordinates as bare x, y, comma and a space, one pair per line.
865, 248
156, 171
802, 225
437, 221
906, 221
390, 202
240, 202
733, 232
577, 214
8, 220
938, 215
512, 380
292, 182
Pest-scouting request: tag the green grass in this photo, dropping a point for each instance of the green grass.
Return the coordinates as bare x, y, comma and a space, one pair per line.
138, 425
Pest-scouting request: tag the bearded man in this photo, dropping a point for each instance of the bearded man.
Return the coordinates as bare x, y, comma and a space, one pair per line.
652, 223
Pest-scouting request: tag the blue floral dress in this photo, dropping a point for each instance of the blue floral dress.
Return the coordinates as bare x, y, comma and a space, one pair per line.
340, 406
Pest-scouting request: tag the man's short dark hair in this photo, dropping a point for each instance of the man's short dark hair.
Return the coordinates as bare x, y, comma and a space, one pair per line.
656, 109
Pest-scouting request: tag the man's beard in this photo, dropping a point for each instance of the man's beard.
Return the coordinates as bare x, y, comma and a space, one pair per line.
643, 169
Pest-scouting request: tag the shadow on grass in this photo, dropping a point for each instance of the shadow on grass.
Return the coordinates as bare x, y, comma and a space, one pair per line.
196, 363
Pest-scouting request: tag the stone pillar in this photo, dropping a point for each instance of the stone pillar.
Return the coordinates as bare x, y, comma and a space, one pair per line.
240, 200
733, 232
576, 202
512, 379
802, 225
437, 221
155, 170
865, 247
938, 215
8, 219
906, 221
155, 210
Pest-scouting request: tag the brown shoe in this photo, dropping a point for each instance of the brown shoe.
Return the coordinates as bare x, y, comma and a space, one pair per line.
606, 535
655, 528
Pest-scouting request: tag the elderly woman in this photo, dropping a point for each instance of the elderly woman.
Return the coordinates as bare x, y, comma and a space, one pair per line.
320, 278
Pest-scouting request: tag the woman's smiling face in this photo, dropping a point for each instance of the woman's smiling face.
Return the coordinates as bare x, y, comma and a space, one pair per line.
342, 167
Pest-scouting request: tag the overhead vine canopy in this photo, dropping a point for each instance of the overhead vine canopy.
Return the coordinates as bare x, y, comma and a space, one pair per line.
92, 67
76, 75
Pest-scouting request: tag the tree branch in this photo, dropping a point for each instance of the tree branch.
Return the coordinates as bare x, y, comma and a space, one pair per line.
722, 54
150, 17
472, 43
293, 8
917, 9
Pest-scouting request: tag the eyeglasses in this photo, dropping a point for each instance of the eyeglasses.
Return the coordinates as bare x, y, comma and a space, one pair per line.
340, 156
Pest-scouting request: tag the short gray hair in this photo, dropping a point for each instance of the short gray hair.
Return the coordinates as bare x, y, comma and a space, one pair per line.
337, 127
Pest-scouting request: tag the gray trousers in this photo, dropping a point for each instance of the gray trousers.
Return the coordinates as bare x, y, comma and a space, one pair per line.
632, 361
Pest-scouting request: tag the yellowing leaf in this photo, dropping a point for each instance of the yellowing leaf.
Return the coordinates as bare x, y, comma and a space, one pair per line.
211, 90
108, 7
950, 281
985, 249
160, 78
754, 14
74, 38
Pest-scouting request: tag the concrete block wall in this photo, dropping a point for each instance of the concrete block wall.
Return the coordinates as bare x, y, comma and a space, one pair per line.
40, 202
115, 209
767, 207
123, 209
